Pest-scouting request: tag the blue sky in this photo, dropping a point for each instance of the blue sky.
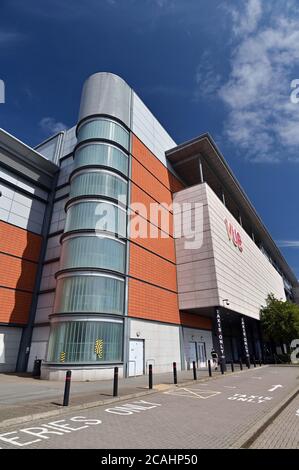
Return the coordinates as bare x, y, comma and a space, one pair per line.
199, 65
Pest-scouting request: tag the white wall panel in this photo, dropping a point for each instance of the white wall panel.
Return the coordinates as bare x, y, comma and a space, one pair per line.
23, 184
247, 277
44, 307
62, 192
39, 345
146, 127
196, 274
53, 248
21, 210
162, 343
58, 216
48, 280
66, 168
69, 141
218, 269
9, 348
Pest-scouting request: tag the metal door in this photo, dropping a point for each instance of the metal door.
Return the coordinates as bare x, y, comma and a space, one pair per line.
136, 358
192, 356
202, 357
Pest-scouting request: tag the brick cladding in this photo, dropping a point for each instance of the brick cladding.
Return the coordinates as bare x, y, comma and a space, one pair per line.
19, 254
153, 285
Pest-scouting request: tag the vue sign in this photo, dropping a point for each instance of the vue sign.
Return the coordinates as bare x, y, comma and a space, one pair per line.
233, 235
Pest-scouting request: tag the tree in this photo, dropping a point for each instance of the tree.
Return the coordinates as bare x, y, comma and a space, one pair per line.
280, 320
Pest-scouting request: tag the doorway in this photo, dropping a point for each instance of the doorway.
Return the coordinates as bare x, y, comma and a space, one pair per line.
136, 358
202, 356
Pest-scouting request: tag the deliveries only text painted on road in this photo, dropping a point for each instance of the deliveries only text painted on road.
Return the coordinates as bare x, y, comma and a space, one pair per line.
61, 427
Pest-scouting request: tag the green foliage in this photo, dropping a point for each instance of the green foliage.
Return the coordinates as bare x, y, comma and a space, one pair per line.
280, 320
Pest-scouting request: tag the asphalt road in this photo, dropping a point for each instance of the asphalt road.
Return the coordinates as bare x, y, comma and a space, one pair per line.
213, 414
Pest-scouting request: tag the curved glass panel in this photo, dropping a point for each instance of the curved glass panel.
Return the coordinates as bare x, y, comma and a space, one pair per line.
99, 215
86, 341
99, 183
102, 154
93, 252
89, 294
104, 129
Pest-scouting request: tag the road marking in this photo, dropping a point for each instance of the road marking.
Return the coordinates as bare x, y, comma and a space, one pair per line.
249, 398
194, 393
259, 378
274, 387
161, 387
131, 408
46, 431
297, 413
227, 386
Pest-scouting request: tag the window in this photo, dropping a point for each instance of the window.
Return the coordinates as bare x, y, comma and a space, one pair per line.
93, 252
102, 154
86, 341
97, 215
104, 129
99, 183
89, 293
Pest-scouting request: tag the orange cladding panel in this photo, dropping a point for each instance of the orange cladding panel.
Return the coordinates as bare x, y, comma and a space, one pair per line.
19, 255
153, 164
162, 246
150, 184
152, 303
195, 321
154, 212
18, 242
151, 268
15, 306
17, 273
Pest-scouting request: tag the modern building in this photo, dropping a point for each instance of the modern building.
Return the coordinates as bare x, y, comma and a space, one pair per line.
119, 247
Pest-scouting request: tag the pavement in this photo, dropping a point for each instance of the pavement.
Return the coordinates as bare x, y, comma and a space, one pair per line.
212, 413
22, 396
283, 432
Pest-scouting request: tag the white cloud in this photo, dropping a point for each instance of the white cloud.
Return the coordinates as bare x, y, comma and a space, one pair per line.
244, 23
288, 243
50, 126
207, 80
261, 121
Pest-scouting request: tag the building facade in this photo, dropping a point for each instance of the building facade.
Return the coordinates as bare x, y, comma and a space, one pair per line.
131, 250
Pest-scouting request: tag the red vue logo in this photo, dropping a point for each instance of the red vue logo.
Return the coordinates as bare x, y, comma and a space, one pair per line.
233, 235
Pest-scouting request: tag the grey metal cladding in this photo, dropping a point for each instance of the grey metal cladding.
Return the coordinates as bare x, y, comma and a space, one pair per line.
106, 93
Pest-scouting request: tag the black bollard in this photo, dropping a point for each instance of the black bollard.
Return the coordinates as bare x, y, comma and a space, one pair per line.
175, 377
247, 362
67, 387
210, 369
150, 376
254, 361
194, 371
241, 365
260, 361
232, 366
221, 367
115, 382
